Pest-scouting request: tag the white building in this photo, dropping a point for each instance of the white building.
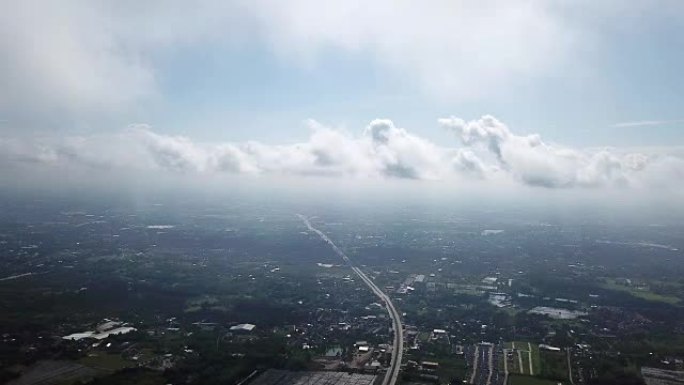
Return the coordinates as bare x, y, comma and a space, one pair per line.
242, 328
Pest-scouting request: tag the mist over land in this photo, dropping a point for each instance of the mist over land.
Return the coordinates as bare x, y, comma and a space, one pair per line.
342, 192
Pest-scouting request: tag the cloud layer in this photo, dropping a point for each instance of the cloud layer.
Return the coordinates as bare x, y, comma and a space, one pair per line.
484, 149
84, 58
454, 49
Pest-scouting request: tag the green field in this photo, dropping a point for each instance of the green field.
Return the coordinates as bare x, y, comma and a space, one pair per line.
536, 359
546, 364
524, 347
423, 336
500, 363
610, 284
554, 365
513, 364
450, 368
105, 361
525, 363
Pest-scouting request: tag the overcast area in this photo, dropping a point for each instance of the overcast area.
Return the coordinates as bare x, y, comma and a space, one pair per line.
232, 89
342, 192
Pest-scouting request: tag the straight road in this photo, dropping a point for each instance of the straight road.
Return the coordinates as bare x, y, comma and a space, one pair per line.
484, 372
505, 360
529, 355
398, 346
567, 351
475, 355
491, 365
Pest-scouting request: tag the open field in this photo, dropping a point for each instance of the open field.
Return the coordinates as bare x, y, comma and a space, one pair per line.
554, 365
527, 351
610, 284
53, 372
525, 363
450, 368
105, 361
536, 359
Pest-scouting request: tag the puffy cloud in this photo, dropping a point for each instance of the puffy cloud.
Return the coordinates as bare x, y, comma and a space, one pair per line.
488, 151
402, 154
534, 162
465, 161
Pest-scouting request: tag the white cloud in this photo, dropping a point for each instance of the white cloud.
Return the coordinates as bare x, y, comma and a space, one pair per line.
461, 49
532, 161
383, 150
67, 56
646, 123
84, 57
92, 59
489, 152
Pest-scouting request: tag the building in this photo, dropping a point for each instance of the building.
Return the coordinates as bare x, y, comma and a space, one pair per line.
430, 365
549, 348
243, 328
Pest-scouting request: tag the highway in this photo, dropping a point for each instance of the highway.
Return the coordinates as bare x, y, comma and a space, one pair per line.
398, 345
485, 370
567, 351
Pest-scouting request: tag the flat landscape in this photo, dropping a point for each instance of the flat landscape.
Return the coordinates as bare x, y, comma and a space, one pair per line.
171, 292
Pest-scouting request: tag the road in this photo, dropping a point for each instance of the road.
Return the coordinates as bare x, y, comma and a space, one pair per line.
529, 355
505, 360
567, 351
398, 345
484, 372
491, 365
475, 356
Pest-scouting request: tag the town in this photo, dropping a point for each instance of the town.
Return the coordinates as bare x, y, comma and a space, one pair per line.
138, 296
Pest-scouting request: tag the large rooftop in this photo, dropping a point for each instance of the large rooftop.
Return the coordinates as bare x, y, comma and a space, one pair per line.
242, 328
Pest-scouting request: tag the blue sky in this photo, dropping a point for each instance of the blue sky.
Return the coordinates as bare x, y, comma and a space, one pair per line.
630, 73
580, 74
238, 83
636, 77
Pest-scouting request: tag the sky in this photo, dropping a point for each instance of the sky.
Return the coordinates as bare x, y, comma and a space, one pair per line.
543, 94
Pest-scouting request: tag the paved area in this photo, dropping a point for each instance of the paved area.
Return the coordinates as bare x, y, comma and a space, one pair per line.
655, 376
284, 377
50, 372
